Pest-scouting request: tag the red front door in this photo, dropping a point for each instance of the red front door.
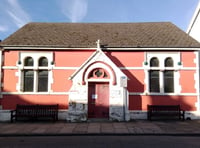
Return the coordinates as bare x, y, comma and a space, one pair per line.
98, 100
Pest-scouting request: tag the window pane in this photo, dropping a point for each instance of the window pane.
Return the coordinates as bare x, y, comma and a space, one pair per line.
154, 62
154, 81
43, 80
169, 81
169, 62
28, 61
43, 61
28, 80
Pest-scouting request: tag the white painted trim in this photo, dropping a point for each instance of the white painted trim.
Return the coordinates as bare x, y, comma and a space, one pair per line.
84, 64
98, 80
10, 67
65, 68
35, 93
35, 47
188, 68
165, 68
131, 68
54, 67
97, 65
130, 93
122, 68
161, 94
156, 49
54, 47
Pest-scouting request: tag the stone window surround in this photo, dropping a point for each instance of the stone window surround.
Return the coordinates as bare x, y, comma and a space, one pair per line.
161, 56
36, 56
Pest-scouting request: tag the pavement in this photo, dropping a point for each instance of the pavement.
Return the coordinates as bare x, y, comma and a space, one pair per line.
136, 127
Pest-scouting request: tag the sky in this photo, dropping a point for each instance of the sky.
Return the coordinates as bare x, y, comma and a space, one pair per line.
16, 13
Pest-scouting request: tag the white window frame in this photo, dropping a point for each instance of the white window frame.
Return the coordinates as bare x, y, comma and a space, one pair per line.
36, 56
161, 56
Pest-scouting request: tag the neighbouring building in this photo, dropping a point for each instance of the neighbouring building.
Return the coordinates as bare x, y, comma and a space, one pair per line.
100, 70
194, 26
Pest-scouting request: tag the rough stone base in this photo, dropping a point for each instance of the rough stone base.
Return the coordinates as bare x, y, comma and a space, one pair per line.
76, 116
192, 115
134, 115
81, 116
4, 115
62, 114
137, 115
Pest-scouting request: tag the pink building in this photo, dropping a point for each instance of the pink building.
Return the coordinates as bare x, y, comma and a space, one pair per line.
100, 70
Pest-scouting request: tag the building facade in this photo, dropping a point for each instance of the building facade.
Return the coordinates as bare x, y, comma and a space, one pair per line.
100, 70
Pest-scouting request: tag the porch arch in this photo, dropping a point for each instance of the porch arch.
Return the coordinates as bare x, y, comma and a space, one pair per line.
110, 71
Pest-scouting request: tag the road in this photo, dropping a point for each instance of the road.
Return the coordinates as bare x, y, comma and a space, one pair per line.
100, 142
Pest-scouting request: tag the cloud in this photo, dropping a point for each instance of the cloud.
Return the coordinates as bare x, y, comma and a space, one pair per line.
75, 10
17, 14
13, 16
3, 28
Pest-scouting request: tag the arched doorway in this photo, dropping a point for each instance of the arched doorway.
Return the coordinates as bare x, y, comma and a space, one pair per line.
98, 93
98, 100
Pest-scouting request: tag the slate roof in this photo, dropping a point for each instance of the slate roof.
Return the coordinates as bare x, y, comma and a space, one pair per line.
85, 35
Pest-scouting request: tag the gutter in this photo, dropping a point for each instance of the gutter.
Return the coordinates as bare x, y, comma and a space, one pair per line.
104, 49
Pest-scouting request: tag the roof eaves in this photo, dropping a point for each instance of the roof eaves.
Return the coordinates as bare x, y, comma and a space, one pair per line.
44, 47
104, 48
154, 48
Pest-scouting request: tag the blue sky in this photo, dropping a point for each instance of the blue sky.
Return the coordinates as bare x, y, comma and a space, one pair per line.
16, 13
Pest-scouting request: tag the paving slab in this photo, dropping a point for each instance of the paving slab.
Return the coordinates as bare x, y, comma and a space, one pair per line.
137, 127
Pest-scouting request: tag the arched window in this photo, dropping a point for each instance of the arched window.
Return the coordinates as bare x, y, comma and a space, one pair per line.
28, 80
154, 62
154, 76
43, 75
35, 79
98, 73
168, 81
35, 71
169, 76
28, 61
42, 80
154, 81
28, 75
43, 61
169, 62
162, 71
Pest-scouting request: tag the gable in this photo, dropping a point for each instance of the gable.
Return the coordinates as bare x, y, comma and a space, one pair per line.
97, 60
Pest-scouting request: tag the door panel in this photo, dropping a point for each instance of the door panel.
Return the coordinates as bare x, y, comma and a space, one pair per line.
98, 100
